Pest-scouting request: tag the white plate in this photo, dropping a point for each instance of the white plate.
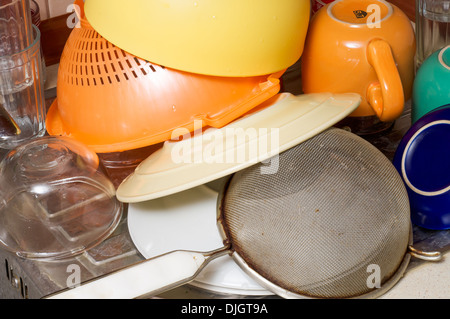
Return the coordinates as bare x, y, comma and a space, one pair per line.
187, 221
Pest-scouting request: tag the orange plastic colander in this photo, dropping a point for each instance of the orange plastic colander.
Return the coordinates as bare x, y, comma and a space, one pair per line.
113, 101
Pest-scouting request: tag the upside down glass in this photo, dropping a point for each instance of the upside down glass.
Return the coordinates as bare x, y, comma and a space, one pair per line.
432, 27
22, 101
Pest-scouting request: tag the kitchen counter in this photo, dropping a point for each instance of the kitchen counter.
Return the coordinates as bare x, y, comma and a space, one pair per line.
424, 281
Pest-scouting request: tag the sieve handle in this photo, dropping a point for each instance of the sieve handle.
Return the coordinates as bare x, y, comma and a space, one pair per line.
149, 277
424, 255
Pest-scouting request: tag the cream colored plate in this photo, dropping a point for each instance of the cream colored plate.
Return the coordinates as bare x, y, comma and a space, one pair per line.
280, 124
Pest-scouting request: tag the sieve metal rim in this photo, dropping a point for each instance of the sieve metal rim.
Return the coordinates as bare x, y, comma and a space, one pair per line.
282, 292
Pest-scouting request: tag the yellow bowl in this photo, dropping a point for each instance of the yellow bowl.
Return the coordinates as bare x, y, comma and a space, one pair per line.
221, 38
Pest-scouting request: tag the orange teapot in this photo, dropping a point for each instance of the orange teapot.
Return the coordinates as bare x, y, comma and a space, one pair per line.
365, 47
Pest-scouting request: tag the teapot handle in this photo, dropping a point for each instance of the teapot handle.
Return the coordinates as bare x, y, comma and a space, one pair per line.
386, 96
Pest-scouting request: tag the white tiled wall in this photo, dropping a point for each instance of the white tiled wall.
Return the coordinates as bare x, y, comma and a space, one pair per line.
53, 8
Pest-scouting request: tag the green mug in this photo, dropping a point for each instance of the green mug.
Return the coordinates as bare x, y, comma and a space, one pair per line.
431, 88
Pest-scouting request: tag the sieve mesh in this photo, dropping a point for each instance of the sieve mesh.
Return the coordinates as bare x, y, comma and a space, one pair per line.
335, 207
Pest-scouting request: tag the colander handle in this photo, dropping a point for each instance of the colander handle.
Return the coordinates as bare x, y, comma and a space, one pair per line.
267, 89
149, 277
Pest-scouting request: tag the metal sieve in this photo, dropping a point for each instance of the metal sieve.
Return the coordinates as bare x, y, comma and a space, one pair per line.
332, 222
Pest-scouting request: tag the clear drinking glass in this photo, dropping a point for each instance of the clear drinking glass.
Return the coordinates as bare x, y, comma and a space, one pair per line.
22, 101
16, 32
432, 27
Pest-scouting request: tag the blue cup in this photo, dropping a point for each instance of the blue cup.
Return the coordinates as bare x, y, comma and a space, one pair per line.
423, 161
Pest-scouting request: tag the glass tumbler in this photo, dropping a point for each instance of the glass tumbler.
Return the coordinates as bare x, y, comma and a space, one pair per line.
16, 31
432, 27
22, 101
